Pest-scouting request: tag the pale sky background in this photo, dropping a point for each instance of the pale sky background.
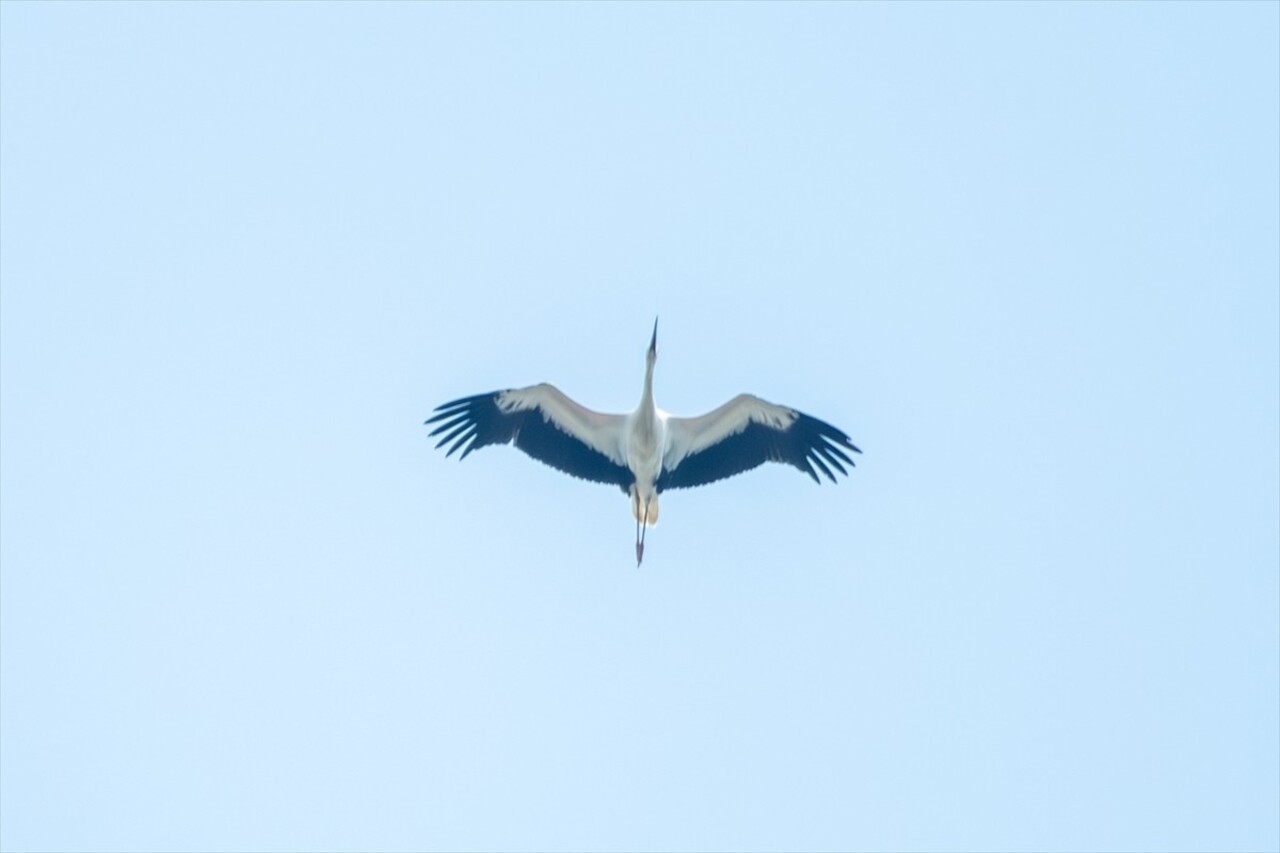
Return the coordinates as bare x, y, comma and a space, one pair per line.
1026, 255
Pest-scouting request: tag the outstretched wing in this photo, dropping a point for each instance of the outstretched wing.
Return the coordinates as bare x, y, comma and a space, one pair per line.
745, 433
542, 422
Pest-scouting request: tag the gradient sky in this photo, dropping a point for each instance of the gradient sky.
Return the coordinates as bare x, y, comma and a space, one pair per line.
1026, 255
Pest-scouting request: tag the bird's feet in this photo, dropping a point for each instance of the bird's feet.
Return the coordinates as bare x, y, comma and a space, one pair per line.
639, 553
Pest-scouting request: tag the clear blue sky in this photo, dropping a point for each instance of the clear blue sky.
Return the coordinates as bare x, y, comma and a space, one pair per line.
1025, 254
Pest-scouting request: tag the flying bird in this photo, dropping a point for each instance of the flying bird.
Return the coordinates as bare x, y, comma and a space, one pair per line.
648, 451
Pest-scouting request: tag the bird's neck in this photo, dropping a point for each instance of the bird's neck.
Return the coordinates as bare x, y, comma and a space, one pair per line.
648, 411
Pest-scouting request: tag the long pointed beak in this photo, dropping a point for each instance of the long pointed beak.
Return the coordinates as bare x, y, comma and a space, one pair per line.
653, 342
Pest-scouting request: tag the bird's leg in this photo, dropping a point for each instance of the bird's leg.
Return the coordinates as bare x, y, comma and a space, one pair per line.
640, 531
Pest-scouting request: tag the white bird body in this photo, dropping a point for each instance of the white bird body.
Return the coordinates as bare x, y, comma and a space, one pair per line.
647, 450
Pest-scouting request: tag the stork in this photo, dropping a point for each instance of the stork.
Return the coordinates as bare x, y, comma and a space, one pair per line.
647, 451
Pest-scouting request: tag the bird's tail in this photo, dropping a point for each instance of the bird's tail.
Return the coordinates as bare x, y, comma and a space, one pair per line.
638, 508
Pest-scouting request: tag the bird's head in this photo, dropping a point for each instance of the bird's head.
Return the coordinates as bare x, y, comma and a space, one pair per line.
652, 355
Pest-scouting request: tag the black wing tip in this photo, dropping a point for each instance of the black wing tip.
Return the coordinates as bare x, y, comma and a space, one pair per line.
827, 446
466, 401
459, 406
461, 422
